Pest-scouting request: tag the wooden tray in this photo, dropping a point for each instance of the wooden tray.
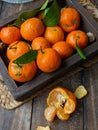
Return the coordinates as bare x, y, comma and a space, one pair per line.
22, 91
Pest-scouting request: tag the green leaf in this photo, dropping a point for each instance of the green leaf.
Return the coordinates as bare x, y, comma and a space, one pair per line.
44, 5
53, 15
28, 14
24, 16
27, 57
80, 52
45, 12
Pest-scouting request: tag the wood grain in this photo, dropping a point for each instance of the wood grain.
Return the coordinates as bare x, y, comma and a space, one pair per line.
89, 79
76, 118
18, 119
30, 115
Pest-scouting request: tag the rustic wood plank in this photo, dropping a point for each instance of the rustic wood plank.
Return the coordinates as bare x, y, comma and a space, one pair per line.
18, 119
90, 79
9, 9
76, 120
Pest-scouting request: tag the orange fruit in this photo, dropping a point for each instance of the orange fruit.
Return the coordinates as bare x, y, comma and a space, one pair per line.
62, 98
17, 49
48, 60
54, 34
32, 28
10, 34
79, 36
70, 19
40, 43
63, 48
23, 72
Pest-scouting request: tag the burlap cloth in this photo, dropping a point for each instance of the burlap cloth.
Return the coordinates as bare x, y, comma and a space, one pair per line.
6, 99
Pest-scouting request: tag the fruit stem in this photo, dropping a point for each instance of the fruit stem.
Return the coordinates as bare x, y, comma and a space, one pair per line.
41, 50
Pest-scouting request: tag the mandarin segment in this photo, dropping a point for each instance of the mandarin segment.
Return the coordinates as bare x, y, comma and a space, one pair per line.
54, 34
70, 106
71, 103
50, 113
80, 92
62, 115
10, 34
48, 60
17, 49
70, 19
43, 128
32, 28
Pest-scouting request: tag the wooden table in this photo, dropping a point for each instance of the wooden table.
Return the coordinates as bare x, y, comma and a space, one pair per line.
31, 114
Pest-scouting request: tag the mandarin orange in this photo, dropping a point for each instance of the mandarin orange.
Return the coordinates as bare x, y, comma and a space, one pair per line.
70, 19
78, 36
48, 60
40, 43
17, 49
10, 34
32, 28
54, 34
63, 48
23, 72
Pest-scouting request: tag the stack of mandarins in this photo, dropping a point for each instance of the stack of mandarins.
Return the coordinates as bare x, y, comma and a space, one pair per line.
53, 43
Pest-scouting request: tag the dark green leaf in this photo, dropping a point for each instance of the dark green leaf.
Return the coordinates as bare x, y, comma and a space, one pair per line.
27, 57
53, 15
25, 15
45, 12
44, 5
80, 52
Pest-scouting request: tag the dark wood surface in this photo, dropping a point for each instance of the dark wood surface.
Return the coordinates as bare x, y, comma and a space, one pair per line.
30, 115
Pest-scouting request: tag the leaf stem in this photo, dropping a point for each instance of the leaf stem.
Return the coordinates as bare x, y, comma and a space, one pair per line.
79, 51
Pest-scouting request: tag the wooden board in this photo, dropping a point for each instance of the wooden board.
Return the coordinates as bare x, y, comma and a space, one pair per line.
85, 116
24, 91
31, 114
